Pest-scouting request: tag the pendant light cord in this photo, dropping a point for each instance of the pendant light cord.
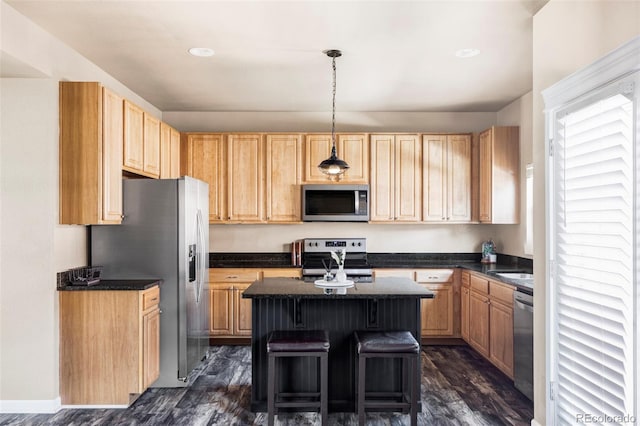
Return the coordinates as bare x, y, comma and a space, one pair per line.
333, 107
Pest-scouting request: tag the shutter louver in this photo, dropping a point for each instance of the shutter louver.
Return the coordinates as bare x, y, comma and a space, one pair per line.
594, 254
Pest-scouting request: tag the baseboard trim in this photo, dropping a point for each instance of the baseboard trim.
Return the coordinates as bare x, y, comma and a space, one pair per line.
47, 406
97, 407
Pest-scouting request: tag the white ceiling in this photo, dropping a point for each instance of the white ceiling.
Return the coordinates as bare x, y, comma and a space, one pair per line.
397, 55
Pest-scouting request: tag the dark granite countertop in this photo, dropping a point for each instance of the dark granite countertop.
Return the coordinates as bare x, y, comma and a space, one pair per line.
135, 285
469, 261
295, 288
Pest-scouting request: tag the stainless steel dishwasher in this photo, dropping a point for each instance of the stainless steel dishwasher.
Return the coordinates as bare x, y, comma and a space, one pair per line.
523, 342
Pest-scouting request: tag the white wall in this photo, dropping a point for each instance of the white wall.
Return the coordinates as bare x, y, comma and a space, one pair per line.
567, 36
291, 121
391, 238
33, 246
28, 186
518, 113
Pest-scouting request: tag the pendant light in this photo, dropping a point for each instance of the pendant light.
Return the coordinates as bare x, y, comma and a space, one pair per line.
333, 166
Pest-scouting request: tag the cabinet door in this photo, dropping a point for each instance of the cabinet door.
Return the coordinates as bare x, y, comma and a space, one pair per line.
382, 190
479, 327
437, 313
459, 178
501, 337
283, 178
165, 151
485, 167
151, 149
221, 309
317, 148
112, 145
174, 148
205, 161
434, 171
151, 348
245, 174
464, 314
408, 178
169, 152
242, 308
354, 149
133, 137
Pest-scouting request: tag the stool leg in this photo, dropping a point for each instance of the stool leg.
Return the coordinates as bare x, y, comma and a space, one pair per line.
324, 384
271, 389
362, 366
415, 389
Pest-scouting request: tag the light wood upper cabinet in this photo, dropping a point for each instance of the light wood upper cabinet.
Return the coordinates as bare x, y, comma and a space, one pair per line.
141, 142
246, 179
169, 152
499, 169
447, 178
203, 156
253, 178
352, 148
395, 178
283, 175
90, 154
133, 138
151, 153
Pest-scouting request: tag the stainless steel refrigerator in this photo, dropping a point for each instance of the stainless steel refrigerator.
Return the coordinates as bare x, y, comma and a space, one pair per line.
164, 234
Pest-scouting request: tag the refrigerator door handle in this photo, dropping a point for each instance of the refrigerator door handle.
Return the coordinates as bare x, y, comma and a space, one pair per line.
199, 256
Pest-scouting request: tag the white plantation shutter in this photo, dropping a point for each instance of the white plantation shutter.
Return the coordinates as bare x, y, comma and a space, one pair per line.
594, 248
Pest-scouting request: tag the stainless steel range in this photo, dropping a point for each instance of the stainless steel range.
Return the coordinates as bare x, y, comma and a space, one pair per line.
317, 254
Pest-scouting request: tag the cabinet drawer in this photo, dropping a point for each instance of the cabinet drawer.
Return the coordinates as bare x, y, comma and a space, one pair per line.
282, 272
399, 273
479, 284
501, 292
150, 298
238, 275
434, 275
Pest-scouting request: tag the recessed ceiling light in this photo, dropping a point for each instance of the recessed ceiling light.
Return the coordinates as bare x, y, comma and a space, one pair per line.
202, 51
467, 53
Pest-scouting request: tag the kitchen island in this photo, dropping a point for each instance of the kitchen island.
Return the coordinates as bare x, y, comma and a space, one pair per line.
292, 304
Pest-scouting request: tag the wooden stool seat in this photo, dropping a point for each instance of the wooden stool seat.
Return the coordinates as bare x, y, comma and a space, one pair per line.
388, 344
297, 343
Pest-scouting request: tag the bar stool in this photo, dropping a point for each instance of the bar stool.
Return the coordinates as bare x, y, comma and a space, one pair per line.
388, 344
297, 343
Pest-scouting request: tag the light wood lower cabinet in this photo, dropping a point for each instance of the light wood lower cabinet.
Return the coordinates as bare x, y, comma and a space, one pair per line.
491, 321
109, 345
479, 322
438, 315
230, 314
464, 305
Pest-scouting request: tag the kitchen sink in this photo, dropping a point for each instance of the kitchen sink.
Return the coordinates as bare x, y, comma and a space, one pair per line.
515, 275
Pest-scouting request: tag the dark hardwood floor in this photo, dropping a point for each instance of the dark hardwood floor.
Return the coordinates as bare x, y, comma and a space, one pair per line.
459, 387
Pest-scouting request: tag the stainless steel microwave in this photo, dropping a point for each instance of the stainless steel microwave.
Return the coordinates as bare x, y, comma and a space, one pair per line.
335, 203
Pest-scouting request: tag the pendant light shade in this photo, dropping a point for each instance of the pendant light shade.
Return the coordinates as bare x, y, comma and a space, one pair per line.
333, 166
